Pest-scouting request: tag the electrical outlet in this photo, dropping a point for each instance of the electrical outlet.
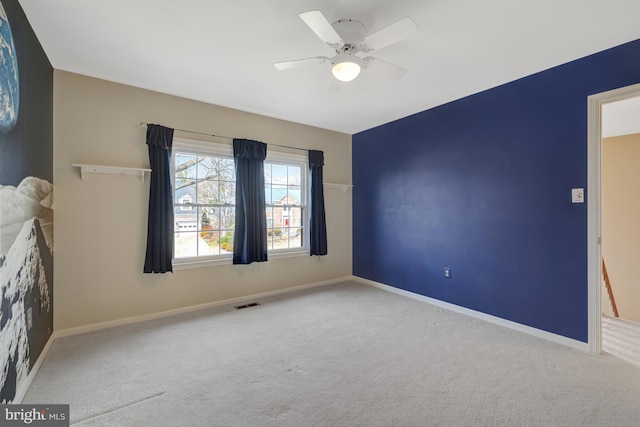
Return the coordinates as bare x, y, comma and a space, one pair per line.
577, 195
447, 272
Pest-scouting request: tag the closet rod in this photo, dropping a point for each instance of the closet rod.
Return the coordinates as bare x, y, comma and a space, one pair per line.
227, 137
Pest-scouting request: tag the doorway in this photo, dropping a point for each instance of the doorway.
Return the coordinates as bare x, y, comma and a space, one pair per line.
594, 207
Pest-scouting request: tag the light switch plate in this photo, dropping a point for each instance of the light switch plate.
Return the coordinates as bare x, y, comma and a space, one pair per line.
577, 195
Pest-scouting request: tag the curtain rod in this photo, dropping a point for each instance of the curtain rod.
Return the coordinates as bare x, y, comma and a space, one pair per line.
227, 137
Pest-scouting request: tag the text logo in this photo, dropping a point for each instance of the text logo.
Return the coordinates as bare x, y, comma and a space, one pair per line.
34, 415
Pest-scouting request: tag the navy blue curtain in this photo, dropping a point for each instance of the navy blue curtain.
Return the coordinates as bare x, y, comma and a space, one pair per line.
160, 225
250, 236
318, 226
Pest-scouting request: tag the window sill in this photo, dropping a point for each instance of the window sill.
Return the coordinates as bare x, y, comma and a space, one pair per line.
191, 264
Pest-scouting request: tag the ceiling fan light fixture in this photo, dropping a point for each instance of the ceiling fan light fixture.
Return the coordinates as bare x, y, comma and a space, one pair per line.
346, 67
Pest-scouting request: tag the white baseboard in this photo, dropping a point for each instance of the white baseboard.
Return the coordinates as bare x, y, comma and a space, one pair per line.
558, 339
152, 316
22, 389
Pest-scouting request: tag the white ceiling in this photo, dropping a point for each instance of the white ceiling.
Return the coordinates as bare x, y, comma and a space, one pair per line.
222, 52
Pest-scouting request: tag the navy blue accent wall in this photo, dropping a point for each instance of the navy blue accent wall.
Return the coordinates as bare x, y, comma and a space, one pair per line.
483, 185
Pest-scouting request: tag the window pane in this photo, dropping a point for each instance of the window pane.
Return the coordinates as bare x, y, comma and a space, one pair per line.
279, 174
288, 237
295, 173
269, 216
294, 217
294, 195
203, 219
280, 238
227, 192
208, 192
208, 244
274, 236
226, 241
184, 191
279, 194
207, 167
227, 170
213, 218
185, 166
227, 217
185, 225
186, 244
209, 235
295, 237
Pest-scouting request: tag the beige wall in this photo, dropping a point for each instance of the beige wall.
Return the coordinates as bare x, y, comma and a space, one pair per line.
100, 222
621, 220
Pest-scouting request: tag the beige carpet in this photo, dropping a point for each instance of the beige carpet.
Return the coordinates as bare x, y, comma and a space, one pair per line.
341, 355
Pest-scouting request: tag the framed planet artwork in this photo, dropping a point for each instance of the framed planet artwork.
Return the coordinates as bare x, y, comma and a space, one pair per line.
9, 77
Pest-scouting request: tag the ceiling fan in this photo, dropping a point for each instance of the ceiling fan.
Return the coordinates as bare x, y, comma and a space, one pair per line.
348, 38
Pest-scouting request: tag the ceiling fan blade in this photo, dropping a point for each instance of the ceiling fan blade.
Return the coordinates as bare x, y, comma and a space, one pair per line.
323, 29
384, 69
287, 65
390, 34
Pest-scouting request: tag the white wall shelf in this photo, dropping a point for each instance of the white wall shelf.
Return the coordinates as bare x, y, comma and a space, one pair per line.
112, 170
343, 187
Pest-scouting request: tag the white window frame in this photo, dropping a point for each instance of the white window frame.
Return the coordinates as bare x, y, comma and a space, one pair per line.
221, 148
301, 160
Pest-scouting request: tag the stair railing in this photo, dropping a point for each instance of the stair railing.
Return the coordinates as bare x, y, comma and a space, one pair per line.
607, 283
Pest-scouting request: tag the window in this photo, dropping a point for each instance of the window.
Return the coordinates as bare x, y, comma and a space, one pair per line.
204, 201
284, 201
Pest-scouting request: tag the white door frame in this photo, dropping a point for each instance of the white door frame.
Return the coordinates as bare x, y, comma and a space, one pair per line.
594, 212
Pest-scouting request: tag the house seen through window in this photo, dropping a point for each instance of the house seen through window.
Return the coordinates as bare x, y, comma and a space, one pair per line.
204, 201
